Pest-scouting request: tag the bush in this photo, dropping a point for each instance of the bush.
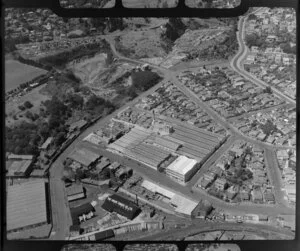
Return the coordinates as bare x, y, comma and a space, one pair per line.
22, 107
28, 105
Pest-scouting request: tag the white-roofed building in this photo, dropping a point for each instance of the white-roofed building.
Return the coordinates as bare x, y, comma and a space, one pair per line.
183, 205
182, 169
157, 189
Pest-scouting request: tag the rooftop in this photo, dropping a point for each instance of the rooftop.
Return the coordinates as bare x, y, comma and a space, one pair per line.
17, 166
84, 156
183, 204
157, 189
26, 204
74, 189
182, 165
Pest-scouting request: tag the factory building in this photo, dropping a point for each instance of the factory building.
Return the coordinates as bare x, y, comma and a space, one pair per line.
182, 169
122, 206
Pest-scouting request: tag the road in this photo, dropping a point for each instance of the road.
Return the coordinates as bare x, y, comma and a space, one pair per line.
60, 210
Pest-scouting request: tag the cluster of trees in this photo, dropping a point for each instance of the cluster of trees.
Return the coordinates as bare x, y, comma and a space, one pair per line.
239, 173
34, 63
223, 50
287, 48
252, 17
22, 139
26, 137
96, 106
175, 28
143, 80
9, 45
268, 89
61, 58
268, 128
26, 105
254, 39
31, 116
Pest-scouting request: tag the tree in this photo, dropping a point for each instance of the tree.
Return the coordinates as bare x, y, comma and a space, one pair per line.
94, 101
105, 174
268, 89
22, 107
79, 174
27, 104
253, 40
60, 138
75, 101
252, 17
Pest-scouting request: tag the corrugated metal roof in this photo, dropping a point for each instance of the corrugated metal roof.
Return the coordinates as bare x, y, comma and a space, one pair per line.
84, 156
166, 143
26, 204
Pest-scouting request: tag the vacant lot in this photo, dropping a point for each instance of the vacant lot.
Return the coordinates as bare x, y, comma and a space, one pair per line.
17, 73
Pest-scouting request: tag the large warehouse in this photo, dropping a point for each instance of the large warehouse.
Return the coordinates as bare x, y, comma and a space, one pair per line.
181, 169
26, 205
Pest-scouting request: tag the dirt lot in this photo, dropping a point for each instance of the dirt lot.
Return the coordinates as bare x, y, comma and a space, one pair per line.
88, 70
17, 73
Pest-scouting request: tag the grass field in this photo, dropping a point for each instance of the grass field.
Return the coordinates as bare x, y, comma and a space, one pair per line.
11, 107
17, 73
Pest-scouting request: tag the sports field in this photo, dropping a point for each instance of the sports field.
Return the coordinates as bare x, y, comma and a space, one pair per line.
17, 73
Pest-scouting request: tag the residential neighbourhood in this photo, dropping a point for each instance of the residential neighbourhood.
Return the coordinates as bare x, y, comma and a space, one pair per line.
179, 129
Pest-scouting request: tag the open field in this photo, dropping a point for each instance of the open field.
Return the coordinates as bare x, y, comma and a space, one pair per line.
11, 107
17, 73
